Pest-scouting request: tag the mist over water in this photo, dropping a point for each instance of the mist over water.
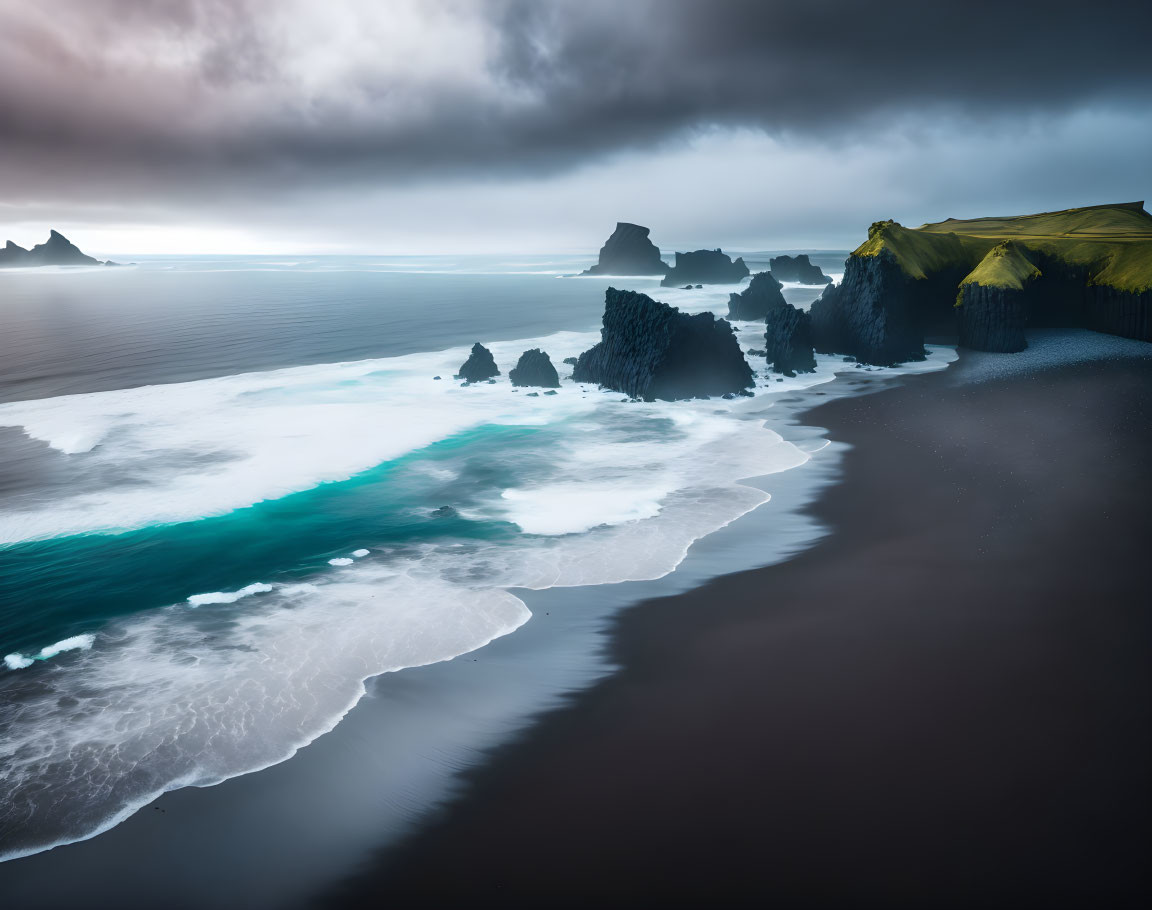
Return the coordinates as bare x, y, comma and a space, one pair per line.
201, 564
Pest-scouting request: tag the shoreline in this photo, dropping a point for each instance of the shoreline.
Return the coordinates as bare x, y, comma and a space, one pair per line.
941, 703
396, 755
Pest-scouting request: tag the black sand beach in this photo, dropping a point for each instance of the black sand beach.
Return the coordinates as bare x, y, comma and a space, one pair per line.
945, 703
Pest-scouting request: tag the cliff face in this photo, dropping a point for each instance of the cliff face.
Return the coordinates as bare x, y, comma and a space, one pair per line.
705, 267
653, 351
987, 279
534, 368
629, 252
871, 315
756, 301
479, 366
993, 319
56, 250
797, 268
788, 341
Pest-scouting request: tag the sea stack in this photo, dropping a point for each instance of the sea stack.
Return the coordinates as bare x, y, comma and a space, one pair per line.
705, 267
651, 350
629, 252
756, 301
534, 368
788, 341
479, 366
798, 269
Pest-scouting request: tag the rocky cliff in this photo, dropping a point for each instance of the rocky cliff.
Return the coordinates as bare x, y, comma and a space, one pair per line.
987, 279
653, 351
534, 368
788, 341
756, 301
56, 250
629, 252
705, 267
479, 366
797, 268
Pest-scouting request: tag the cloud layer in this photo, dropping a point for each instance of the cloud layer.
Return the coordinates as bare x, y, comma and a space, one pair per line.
223, 102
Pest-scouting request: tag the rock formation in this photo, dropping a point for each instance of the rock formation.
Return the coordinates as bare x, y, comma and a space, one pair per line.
653, 351
987, 279
705, 267
798, 269
56, 250
534, 369
788, 341
479, 366
629, 252
756, 301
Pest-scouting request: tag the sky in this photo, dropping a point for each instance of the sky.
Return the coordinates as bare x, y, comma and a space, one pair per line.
505, 126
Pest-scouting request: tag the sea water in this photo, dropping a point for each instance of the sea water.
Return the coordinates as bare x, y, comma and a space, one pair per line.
219, 492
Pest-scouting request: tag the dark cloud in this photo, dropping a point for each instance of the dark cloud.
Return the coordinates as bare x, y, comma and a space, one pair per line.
120, 97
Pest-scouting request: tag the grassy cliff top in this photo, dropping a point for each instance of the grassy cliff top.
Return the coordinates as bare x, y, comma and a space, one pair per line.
1005, 266
1124, 221
1112, 243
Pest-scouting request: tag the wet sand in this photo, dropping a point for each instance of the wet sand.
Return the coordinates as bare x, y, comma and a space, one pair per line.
944, 703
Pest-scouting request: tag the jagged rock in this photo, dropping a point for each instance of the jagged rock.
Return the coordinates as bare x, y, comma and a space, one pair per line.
705, 267
56, 250
872, 315
570, 360
445, 512
797, 268
788, 341
650, 350
13, 255
534, 369
629, 252
757, 300
479, 366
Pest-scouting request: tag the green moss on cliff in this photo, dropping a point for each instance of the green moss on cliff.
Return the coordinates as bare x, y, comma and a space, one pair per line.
1112, 244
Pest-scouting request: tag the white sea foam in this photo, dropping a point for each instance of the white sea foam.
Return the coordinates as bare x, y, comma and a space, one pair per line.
359, 553
340, 561
228, 597
75, 643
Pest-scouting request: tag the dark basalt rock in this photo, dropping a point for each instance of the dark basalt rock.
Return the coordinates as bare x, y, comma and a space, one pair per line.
629, 252
756, 301
798, 269
570, 360
479, 366
534, 369
877, 313
788, 341
650, 350
445, 512
705, 267
993, 318
1119, 312
56, 250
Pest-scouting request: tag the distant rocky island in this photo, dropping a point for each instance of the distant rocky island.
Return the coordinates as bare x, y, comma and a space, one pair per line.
629, 252
798, 269
56, 250
705, 267
987, 280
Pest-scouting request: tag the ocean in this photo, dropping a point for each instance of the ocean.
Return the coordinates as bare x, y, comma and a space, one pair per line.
221, 492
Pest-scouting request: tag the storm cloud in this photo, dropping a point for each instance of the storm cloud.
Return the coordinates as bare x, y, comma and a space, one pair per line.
115, 102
